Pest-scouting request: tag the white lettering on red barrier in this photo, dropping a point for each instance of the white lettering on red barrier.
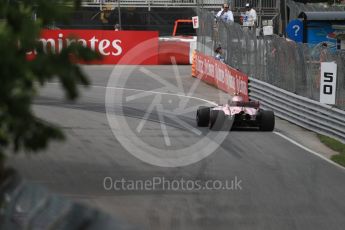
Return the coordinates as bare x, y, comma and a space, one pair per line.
221, 75
93, 43
231, 81
199, 65
242, 87
204, 67
112, 45
210, 70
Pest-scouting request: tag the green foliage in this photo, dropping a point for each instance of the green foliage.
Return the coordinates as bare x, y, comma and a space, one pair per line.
21, 79
336, 146
340, 159
332, 143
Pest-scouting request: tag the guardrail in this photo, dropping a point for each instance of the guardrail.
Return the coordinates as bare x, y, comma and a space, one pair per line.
307, 113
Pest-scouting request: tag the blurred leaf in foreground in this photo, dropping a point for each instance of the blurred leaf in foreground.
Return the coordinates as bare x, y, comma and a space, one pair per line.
20, 79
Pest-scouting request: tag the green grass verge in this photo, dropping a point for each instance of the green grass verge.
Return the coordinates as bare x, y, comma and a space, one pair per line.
336, 146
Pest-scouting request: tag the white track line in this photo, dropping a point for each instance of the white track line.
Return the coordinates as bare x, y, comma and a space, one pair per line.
163, 93
308, 150
213, 103
277, 133
147, 91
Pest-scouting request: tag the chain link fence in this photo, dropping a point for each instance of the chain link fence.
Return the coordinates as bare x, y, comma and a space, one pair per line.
288, 65
155, 3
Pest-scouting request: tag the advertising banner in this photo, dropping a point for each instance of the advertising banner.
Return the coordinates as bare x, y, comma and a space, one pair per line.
222, 76
173, 52
112, 45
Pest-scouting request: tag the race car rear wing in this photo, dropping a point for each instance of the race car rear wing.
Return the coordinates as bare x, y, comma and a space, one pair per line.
249, 104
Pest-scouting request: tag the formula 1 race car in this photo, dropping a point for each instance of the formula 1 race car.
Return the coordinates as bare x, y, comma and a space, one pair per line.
237, 113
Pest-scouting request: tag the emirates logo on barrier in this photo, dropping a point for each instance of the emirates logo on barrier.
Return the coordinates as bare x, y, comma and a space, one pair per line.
111, 45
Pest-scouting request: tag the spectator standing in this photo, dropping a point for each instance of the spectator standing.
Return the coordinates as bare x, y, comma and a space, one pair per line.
250, 16
225, 14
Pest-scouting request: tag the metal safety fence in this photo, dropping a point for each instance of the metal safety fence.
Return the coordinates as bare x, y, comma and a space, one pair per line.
272, 59
233, 3
155, 3
255, 3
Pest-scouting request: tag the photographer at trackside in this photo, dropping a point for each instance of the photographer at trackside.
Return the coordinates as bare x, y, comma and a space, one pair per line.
219, 54
225, 14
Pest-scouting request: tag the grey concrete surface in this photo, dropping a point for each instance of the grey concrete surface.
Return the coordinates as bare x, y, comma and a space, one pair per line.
305, 137
282, 185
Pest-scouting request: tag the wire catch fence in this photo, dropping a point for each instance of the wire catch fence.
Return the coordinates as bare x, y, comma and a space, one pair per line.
278, 61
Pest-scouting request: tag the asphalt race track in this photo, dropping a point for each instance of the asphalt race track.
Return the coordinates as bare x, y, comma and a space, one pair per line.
281, 186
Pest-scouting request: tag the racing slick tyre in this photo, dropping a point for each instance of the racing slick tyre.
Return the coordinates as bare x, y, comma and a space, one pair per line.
203, 116
217, 119
266, 120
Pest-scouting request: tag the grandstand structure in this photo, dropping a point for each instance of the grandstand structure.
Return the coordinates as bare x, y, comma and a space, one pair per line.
265, 8
161, 14
210, 4
154, 3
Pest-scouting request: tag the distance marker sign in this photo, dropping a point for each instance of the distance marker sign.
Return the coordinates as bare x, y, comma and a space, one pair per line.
328, 82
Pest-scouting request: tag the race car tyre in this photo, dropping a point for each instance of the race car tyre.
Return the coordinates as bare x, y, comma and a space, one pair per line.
266, 120
203, 116
217, 119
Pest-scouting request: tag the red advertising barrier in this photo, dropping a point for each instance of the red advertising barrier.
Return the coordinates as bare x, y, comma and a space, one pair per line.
176, 50
112, 45
222, 76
